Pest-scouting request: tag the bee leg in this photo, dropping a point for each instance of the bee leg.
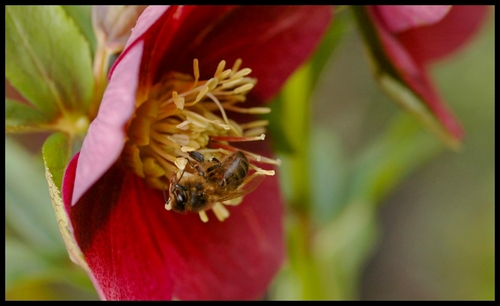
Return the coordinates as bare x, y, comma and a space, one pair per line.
212, 171
214, 167
165, 195
197, 156
199, 170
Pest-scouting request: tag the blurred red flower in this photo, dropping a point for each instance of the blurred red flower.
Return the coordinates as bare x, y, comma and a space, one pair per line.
412, 37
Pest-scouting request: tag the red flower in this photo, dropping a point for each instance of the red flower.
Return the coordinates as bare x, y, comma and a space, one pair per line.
136, 249
414, 36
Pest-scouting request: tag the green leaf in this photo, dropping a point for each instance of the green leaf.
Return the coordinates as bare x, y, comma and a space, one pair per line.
294, 114
28, 210
81, 16
20, 117
47, 59
56, 154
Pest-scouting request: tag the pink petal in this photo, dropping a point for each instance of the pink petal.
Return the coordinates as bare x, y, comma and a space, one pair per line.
137, 250
106, 136
398, 18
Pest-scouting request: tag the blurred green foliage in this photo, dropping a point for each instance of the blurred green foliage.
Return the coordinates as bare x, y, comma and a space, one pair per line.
395, 214
37, 265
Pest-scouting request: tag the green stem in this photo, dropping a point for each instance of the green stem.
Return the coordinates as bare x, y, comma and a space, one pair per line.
101, 62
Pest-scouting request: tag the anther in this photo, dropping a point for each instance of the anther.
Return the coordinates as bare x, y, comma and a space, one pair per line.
220, 68
243, 72
242, 88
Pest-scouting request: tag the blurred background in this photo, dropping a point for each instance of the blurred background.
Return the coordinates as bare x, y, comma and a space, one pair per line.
429, 235
436, 238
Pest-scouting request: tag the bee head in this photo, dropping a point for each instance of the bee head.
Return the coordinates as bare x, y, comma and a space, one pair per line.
178, 198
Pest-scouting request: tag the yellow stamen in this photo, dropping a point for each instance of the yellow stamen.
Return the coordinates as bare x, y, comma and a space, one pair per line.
256, 131
220, 211
179, 102
237, 64
203, 216
220, 68
196, 68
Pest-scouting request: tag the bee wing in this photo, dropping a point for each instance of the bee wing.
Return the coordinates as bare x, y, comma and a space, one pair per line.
249, 184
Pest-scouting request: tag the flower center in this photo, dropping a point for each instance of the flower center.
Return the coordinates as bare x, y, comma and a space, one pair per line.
182, 115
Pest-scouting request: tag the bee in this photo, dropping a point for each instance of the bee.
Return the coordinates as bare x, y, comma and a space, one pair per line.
213, 181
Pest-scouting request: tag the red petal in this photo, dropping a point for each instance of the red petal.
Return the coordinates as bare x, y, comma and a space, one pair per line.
271, 40
168, 38
442, 38
106, 136
414, 74
137, 250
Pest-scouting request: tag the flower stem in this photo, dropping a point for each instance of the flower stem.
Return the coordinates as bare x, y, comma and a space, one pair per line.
101, 63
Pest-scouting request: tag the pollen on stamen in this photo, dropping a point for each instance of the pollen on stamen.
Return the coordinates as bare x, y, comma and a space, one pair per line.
187, 149
181, 163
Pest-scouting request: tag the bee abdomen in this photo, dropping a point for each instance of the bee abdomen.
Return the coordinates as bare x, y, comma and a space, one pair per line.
236, 170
